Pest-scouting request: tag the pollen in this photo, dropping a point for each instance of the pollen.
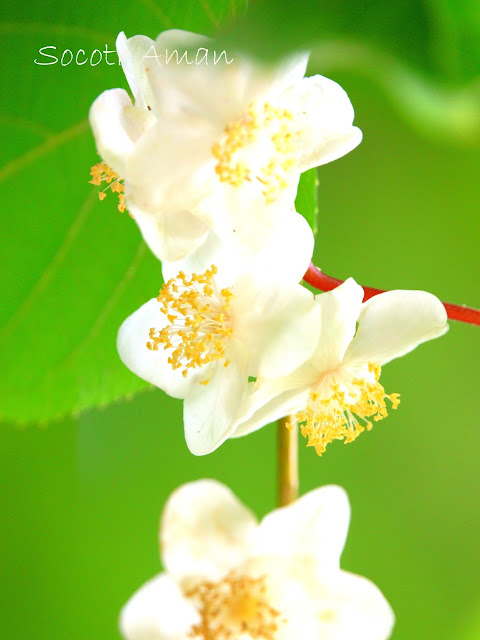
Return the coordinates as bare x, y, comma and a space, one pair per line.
234, 606
346, 411
262, 123
199, 321
101, 172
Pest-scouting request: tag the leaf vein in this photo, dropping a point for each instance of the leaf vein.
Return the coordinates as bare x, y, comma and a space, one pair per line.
48, 273
52, 143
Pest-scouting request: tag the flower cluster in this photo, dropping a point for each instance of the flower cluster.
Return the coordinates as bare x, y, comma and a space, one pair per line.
207, 160
229, 577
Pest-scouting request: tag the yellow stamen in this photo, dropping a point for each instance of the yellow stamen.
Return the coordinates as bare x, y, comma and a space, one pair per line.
275, 127
199, 321
232, 607
345, 413
101, 172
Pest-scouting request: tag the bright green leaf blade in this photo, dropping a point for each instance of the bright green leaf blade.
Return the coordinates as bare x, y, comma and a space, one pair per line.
73, 268
306, 202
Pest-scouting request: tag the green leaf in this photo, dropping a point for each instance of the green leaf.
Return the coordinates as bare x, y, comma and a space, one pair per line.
73, 268
306, 201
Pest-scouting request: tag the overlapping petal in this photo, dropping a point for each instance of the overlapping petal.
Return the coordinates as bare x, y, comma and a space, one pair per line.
340, 309
166, 146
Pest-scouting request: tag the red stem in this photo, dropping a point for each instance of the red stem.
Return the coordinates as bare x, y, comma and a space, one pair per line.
321, 281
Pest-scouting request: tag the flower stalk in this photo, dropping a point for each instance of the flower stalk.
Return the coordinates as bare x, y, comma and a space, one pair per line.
287, 447
316, 278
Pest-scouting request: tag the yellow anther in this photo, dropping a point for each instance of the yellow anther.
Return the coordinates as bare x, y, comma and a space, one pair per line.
200, 321
274, 128
345, 411
101, 172
234, 607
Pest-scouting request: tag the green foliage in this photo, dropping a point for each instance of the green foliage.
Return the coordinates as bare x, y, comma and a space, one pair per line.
471, 625
73, 268
424, 54
306, 201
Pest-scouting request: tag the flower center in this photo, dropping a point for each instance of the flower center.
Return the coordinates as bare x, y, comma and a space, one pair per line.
345, 412
239, 159
233, 606
199, 321
101, 172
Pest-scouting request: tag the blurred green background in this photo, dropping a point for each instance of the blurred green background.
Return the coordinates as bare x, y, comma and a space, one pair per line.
82, 494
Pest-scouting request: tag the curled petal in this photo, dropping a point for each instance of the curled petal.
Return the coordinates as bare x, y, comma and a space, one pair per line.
133, 54
111, 118
340, 310
393, 323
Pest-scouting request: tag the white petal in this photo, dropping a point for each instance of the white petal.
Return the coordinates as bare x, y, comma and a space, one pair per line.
171, 167
265, 408
109, 121
218, 92
286, 251
281, 248
392, 324
241, 215
158, 611
211, 412
324, 115
205, 531
316, 526
134, 55
210, 252
340, 310
349, 606
278, 324
171, 235
152, 366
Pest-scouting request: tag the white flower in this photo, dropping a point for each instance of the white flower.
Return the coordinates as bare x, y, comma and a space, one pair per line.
215, 146
286, 254
201, 342
336, 393
229, 578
